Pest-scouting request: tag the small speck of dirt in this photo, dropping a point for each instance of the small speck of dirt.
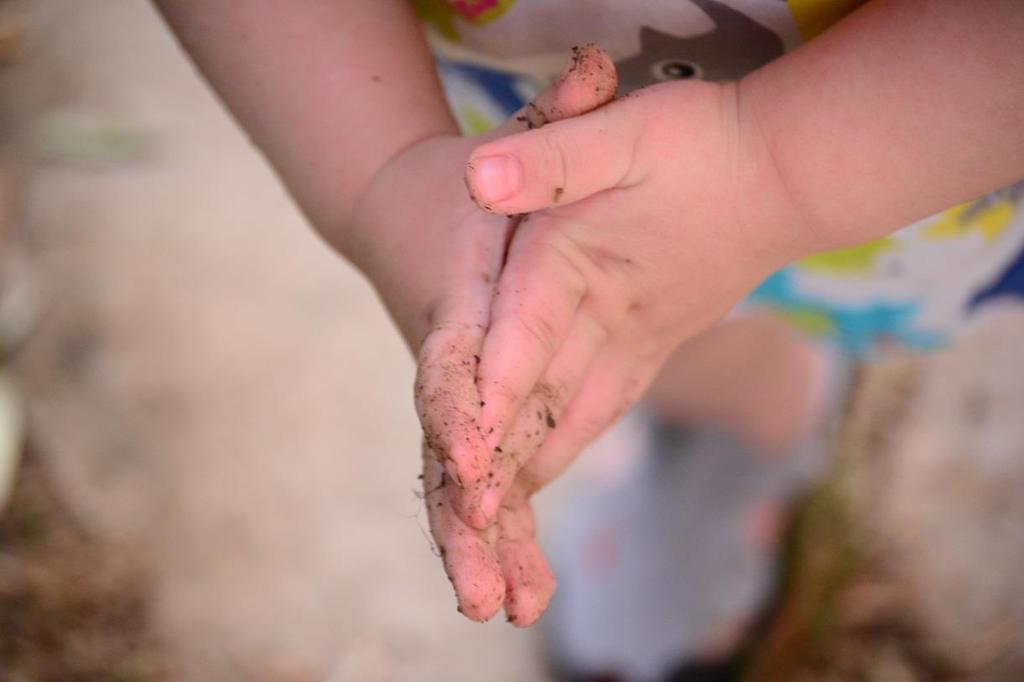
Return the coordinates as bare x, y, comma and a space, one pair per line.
557, 194
498, 449
550, 420
535, 116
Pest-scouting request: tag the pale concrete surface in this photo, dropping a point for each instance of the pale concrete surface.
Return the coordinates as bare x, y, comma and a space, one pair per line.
208, 378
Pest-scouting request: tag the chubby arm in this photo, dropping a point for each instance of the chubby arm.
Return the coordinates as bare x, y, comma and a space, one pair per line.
329, 90
904, 108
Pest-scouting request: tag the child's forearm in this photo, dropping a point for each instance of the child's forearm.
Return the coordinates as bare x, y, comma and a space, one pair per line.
328, 89
905, 108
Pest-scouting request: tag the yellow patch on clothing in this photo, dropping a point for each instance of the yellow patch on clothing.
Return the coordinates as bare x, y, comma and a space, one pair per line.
990, 221
808, 320
472, 121
860, 259
812, 17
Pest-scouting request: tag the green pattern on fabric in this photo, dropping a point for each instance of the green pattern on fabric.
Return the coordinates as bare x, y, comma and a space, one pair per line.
859, 259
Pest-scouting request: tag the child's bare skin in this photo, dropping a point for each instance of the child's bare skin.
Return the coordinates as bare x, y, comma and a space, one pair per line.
651, 217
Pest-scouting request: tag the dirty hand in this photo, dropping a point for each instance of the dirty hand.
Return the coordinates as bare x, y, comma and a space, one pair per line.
438, 282
649, 219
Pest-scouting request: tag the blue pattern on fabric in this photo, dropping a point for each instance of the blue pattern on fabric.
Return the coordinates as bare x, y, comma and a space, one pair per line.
858, 329
502, 87
1010, 284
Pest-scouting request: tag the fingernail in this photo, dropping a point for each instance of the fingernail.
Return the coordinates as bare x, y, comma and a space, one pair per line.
496, 178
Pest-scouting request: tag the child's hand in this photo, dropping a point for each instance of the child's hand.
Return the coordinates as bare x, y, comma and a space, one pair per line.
438, 282
652, 217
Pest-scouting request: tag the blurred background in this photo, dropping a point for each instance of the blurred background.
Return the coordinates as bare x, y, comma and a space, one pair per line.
208, 453
210, 392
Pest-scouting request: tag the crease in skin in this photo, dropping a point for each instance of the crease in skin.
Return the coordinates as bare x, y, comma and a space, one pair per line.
510, 230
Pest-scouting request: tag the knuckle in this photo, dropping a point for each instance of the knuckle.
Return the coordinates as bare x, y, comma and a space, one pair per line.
510, 394
553, 394
568, 260
541, 330
556, 159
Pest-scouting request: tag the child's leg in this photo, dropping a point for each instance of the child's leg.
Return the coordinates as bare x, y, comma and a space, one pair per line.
751, 376
671, 560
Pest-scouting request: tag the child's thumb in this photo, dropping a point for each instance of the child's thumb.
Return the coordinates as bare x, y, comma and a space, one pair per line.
496, 172
558, 164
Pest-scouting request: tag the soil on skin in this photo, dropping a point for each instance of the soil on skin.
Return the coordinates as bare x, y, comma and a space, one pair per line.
70, 609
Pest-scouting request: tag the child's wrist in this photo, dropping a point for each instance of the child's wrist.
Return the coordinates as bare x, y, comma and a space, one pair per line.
772, 209
358, 228
343, 224
384, 234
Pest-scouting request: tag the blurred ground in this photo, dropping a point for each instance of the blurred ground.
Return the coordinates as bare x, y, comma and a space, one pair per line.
266, 472
70, 608
905, 565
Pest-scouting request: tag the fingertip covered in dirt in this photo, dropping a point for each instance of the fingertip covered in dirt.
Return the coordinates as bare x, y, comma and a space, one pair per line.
587, 82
